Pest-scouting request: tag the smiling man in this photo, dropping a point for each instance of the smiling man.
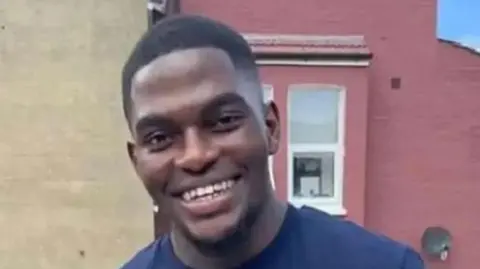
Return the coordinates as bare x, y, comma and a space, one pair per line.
201, 137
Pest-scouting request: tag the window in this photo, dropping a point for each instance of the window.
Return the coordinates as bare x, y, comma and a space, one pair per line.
268, 96
315, 146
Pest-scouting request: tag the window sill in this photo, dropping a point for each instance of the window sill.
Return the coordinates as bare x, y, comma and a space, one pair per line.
330, 208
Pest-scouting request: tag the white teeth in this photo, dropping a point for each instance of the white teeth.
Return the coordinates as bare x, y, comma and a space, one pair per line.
209, 189
204, 198
187, 196
208, 192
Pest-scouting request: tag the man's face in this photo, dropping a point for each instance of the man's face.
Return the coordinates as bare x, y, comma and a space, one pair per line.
201, 141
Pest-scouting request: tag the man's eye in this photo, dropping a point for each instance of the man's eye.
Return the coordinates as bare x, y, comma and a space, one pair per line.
158, 141
227, 123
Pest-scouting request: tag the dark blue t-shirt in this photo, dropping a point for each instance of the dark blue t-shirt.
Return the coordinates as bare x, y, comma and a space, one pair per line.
308, 239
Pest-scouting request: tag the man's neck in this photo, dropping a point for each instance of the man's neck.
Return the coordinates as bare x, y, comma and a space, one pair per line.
262, 233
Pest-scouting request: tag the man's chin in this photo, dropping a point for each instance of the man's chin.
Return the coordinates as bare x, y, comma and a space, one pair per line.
208, 233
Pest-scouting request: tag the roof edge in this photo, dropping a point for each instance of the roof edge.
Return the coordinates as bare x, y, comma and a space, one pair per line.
459, 46
307, 46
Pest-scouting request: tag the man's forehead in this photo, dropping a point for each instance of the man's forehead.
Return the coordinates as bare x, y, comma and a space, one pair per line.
183, 64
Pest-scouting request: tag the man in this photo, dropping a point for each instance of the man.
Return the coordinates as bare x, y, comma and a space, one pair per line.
201, 137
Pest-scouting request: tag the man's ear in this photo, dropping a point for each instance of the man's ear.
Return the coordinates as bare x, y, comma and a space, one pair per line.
272, 121
131, 153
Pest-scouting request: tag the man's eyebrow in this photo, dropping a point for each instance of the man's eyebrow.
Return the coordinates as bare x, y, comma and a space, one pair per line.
221, 100
150, 120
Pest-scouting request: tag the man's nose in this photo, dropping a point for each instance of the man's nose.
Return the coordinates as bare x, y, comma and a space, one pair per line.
198, 152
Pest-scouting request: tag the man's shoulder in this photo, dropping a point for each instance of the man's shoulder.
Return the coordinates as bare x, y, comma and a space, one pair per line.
345, 239
143, 259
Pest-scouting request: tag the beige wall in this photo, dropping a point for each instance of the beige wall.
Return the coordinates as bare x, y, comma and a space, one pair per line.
65, 183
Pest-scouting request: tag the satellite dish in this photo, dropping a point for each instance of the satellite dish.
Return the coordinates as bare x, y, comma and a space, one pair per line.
436, 242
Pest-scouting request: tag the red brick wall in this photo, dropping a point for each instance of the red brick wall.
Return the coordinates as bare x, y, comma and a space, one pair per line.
459, 83
425, 164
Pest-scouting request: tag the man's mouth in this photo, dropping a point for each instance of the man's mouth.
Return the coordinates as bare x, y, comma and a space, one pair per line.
208, 192
209, 200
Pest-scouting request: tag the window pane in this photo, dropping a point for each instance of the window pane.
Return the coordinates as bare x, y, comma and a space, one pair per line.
313, 115
313, 174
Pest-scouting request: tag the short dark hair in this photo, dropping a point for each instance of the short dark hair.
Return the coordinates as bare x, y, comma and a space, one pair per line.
182, 32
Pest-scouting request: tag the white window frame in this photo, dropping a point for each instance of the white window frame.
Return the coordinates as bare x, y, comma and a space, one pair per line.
268, 95
332, 205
